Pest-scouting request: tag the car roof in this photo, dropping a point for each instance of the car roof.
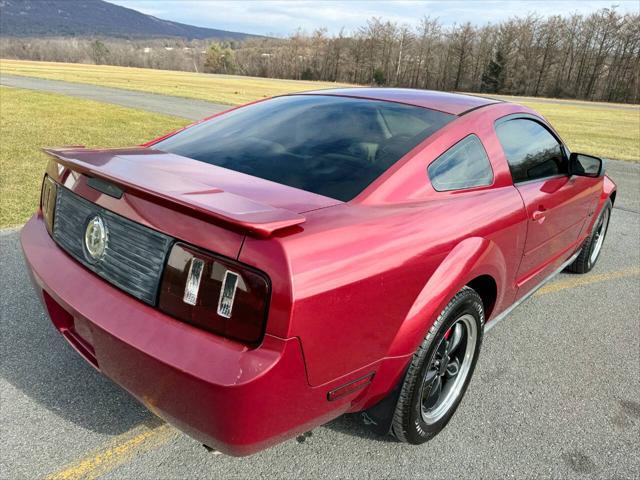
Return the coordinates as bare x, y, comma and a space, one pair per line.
453, 103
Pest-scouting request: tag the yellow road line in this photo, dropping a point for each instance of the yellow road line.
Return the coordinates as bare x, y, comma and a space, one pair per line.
580, 280
144, 438
118, 451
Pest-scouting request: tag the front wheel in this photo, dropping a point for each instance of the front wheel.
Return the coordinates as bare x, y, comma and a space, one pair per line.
593, 244
440, 370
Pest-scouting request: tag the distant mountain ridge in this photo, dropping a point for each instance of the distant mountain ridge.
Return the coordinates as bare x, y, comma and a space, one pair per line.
35, 18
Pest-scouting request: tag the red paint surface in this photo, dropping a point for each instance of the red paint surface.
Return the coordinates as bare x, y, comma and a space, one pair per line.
355, 286
443, 101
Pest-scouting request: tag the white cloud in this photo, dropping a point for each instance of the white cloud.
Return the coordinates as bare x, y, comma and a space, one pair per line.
281, 17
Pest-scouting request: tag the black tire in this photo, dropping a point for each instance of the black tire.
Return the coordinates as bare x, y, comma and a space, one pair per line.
409, 424
588, 258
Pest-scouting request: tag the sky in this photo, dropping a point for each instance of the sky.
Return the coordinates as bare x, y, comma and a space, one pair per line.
282, 17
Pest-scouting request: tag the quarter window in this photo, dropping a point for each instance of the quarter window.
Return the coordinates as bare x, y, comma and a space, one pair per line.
531, 150
465, 165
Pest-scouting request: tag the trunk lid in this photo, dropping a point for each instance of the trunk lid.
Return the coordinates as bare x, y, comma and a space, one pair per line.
227, 198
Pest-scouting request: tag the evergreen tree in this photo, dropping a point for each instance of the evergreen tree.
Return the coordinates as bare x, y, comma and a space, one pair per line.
378, 76
220, 59
493, 75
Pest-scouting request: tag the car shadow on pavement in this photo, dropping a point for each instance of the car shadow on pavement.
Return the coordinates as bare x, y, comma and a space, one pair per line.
36, 360
353, 424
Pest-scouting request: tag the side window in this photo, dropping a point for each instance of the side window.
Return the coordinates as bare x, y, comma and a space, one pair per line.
531, 150
465, 165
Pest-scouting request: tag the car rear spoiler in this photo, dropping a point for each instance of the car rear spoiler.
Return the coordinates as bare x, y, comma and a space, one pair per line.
147, 180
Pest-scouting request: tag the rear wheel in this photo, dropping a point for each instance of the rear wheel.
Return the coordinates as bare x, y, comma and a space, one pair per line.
593, 244
440, 370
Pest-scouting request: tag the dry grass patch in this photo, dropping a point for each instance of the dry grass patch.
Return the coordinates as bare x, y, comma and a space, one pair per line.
600, 131
587, 127
31, 120
227, 89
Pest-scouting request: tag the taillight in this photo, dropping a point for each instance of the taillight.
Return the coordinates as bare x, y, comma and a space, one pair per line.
48, 201
215, 294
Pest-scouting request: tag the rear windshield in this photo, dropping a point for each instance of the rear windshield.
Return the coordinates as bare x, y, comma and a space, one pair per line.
332, 146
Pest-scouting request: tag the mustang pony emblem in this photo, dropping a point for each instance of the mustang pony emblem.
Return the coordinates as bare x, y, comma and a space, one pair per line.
95, 238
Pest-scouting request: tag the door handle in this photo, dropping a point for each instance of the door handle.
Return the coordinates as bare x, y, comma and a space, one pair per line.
539, 215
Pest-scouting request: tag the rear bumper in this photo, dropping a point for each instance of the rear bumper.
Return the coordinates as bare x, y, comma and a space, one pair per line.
226, 396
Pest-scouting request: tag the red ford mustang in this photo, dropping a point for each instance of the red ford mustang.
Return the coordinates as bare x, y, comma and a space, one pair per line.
266, 270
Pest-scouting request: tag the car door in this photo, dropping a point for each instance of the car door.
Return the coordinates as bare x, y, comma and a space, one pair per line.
557, 205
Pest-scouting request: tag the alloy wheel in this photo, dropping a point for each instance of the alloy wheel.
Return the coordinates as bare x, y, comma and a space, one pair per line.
599, 235
448, 369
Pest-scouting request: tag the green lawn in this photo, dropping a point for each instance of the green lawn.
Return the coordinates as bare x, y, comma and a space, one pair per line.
595, 130
31, 120
587, 127
227, 89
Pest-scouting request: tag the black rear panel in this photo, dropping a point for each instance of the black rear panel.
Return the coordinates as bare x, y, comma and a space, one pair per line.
134, 256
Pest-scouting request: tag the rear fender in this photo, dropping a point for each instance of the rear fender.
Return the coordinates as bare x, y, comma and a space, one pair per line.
473, 257
470, 259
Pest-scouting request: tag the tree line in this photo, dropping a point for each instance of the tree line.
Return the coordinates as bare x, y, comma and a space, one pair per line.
592, 57
163, 54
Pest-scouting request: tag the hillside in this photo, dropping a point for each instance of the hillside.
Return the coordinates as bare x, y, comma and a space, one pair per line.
34, 18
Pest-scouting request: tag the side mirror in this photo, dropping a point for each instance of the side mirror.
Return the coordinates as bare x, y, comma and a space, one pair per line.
585, 165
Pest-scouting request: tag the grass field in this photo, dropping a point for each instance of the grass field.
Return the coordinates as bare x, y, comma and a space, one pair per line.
227, 89
30, 120
586, 127
595, 130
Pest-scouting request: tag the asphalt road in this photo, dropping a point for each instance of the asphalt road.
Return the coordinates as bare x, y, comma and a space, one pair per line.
556, 393
196, 109
180, 107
